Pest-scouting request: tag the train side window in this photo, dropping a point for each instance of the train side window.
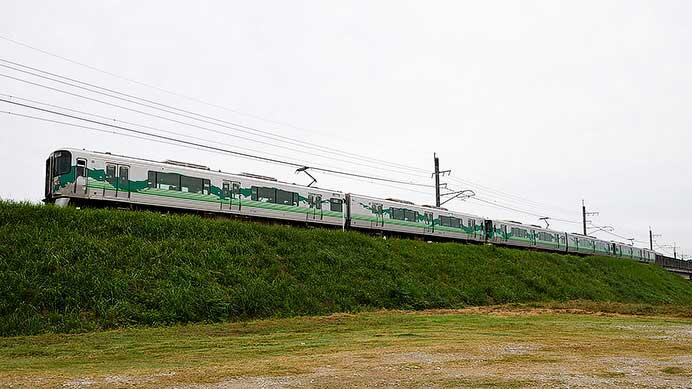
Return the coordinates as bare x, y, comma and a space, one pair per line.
81, 167
254, 196
110, 174
410, 216
206, 186
397, 213
267, 195
296, 199
151, 179
284, 197
191, 184
336, 205
168, 181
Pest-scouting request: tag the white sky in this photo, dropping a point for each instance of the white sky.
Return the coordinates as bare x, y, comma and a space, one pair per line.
550, 101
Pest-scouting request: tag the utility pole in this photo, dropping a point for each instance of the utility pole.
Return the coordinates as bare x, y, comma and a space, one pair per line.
675, 253
584, 214
651, 239
437, 173
437, 180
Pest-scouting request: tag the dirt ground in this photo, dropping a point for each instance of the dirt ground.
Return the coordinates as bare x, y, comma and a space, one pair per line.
444, 348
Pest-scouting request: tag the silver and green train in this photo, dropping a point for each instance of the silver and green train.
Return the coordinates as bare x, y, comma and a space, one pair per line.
88, 177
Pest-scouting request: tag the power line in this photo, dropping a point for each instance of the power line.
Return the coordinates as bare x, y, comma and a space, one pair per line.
190, 124
272, 160
153, 128
191, 115
498, 205
244, 129
169, 92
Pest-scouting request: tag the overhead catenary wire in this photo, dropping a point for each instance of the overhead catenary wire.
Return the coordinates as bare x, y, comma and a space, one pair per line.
498, 193
132, 99
114, 120
151, 86
220, 132
272, 160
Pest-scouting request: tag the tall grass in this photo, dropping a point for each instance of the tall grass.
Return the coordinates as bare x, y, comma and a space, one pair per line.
70, 270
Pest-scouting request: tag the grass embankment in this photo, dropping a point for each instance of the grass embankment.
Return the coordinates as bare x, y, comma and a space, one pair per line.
470, 348
69, 270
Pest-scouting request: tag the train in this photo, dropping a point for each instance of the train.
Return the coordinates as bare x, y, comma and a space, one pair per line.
79, 176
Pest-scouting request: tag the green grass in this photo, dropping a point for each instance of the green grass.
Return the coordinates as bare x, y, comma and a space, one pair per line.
70, 270
448, 349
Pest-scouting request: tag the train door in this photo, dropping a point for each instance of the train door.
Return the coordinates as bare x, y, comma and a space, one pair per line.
110, 189
315, 211
231, 196
379, 216
123, 187
489, 232
80, 182
117, 181
429, 223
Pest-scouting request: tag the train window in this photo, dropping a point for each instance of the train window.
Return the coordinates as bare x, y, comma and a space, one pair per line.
206, 186
62, 161
266, 194
284, 197
123, 178
472, 223
110, 174
444, 221
410, 216
81, 167
191, 184
168, 181
454, 222
397, 213
336, 205
151, 179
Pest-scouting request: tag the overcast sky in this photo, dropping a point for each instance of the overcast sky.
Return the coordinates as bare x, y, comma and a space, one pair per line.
533, 105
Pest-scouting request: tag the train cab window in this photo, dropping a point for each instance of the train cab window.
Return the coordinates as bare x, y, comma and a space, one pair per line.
62, 161
168, 181
336, 205
110, 174
81, 167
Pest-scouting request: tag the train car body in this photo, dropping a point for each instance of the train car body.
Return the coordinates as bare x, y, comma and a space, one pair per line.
389, 215
513, 233
94, 177
85, 176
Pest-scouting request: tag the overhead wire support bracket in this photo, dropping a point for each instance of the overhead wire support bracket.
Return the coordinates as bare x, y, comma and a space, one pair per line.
464, 194
304, 169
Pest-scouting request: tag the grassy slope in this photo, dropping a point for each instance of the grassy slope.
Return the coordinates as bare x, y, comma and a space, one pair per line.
76, 270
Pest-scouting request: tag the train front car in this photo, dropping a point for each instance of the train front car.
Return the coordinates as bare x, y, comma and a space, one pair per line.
65, 177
